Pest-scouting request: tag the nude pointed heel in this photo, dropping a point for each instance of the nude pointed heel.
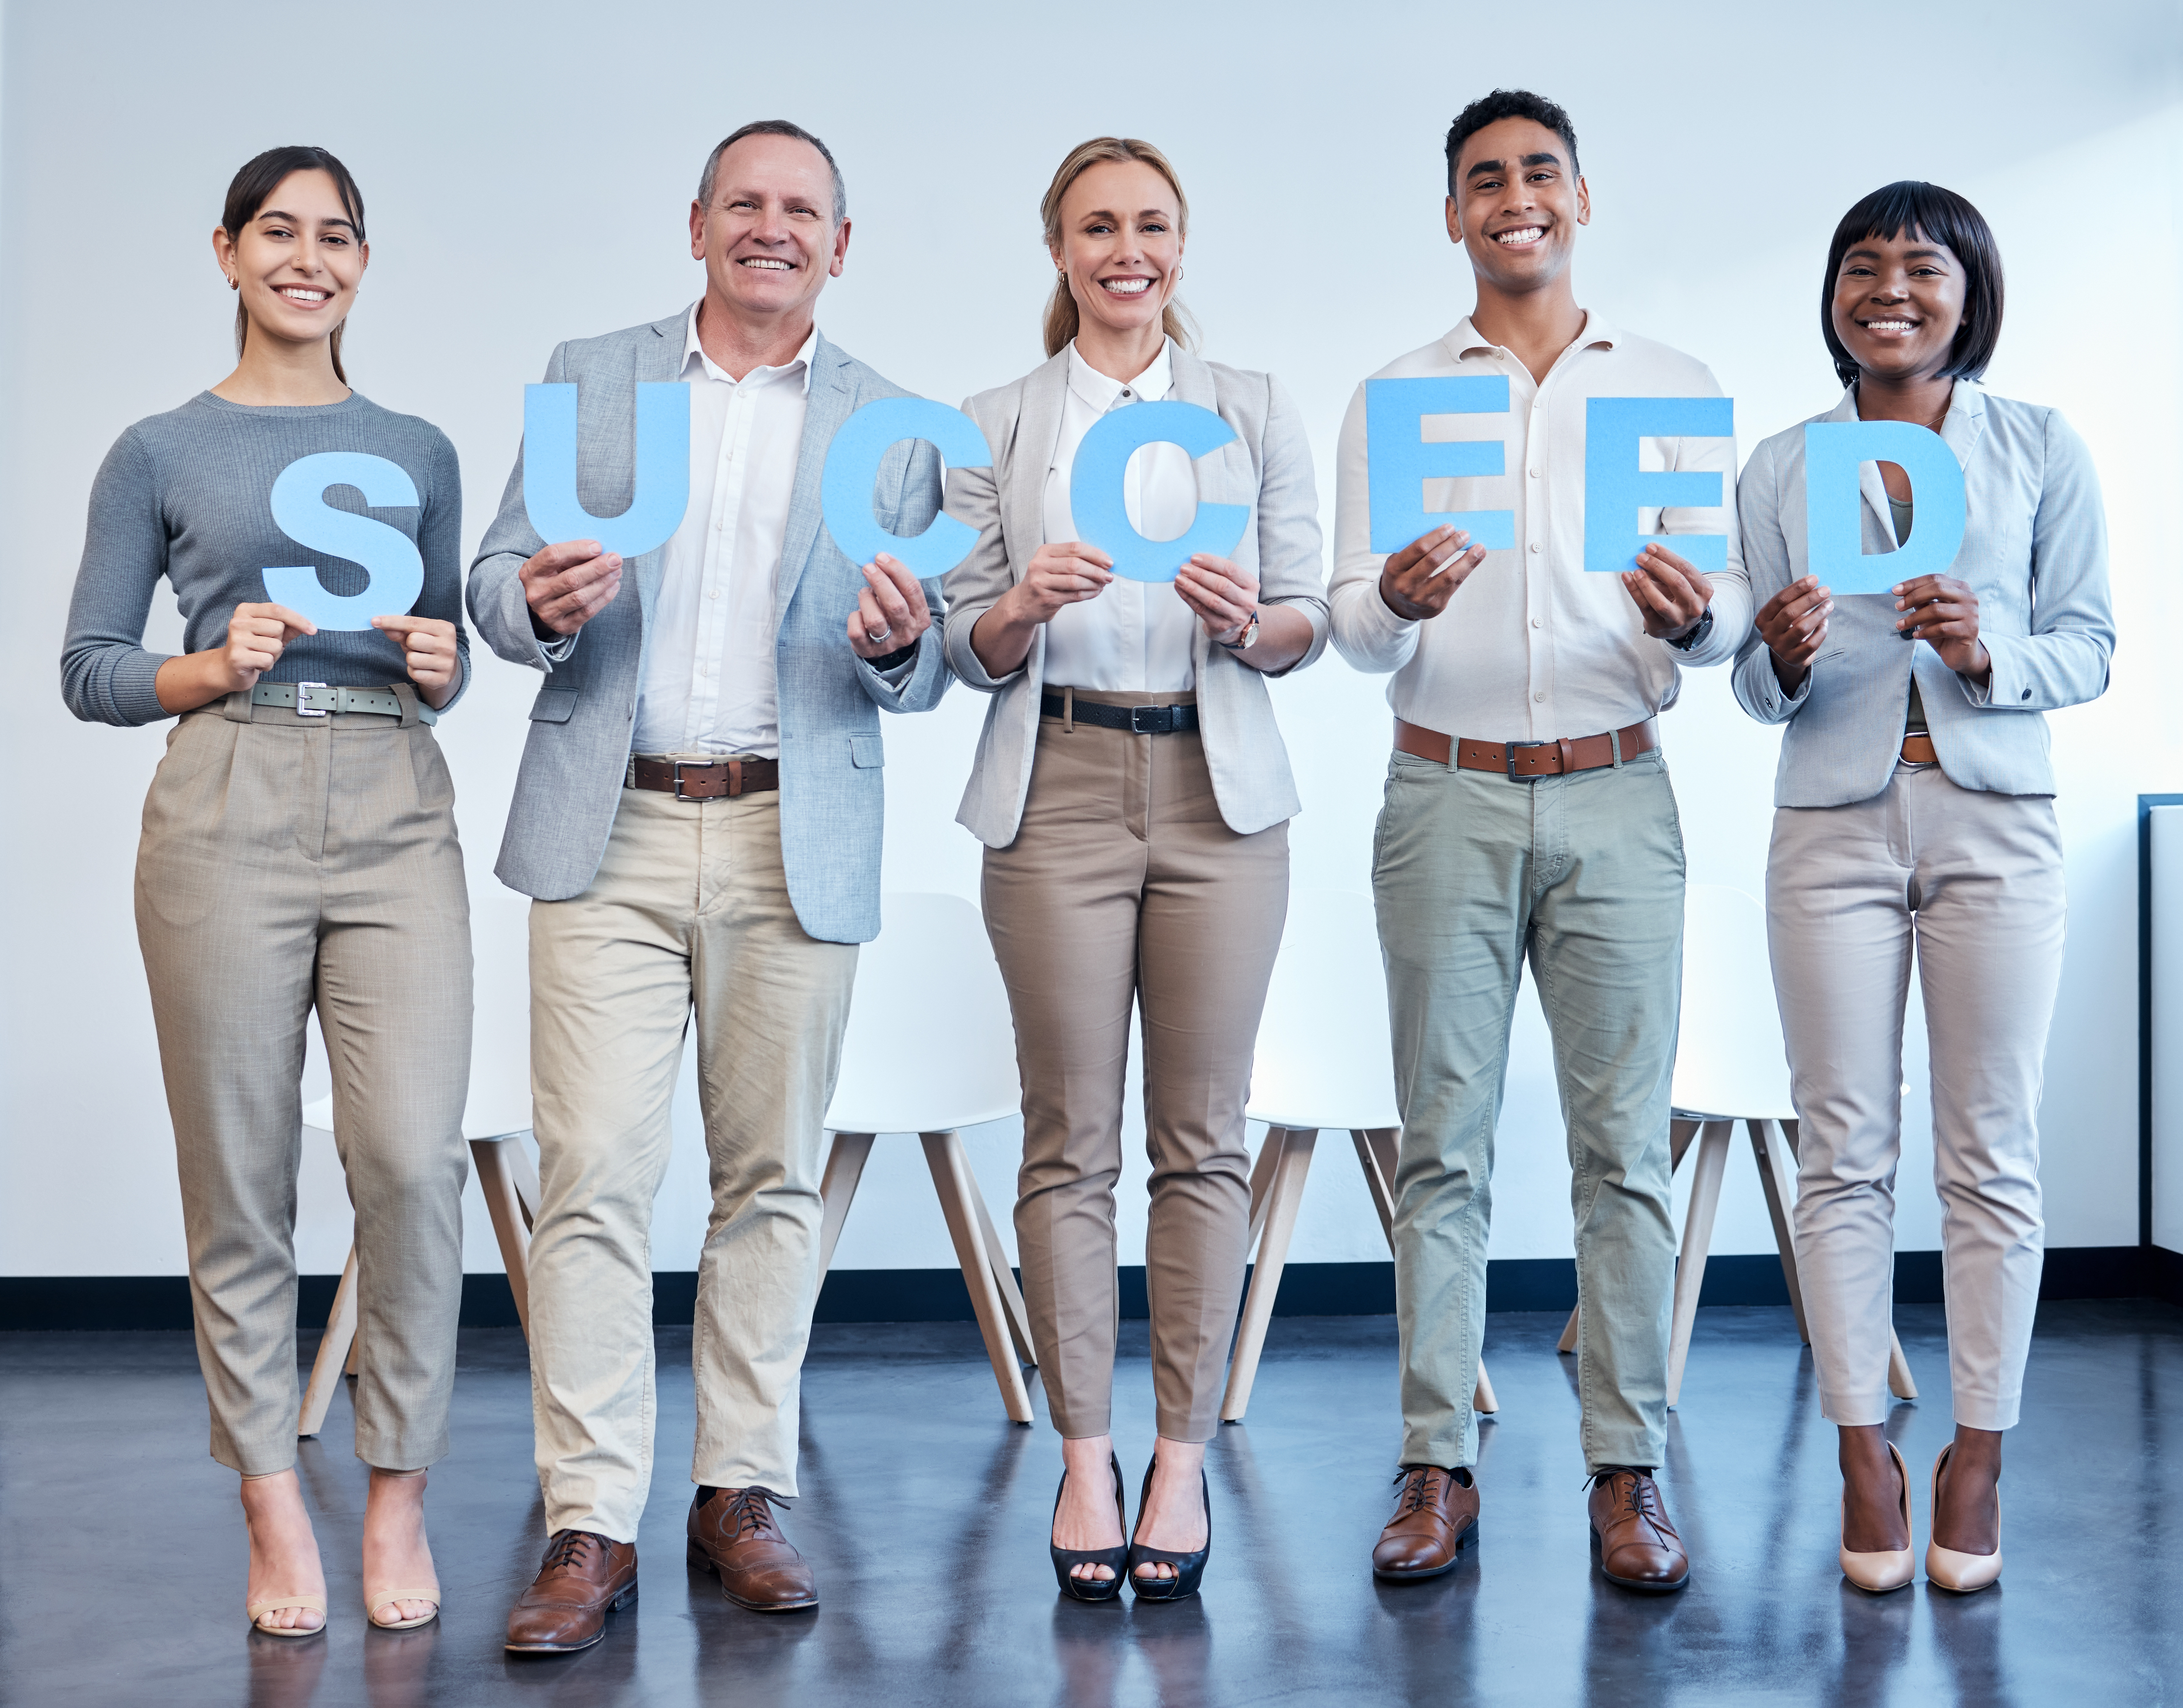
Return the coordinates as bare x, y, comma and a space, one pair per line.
1887, 1568
257, 1611
374, 1600
1961, 1573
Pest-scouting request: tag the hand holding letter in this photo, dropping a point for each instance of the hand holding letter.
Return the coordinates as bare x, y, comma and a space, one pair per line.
568, 585
891, 612
1793, 625
1943, 613
1671, 594
428, 653
1416, 582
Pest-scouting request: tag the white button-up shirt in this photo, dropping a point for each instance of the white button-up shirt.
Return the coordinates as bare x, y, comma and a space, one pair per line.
1135, 637
708, 671
1533, 648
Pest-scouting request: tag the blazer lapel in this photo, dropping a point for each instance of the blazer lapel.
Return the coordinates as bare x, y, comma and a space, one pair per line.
1030, 456
829, 401
659, 360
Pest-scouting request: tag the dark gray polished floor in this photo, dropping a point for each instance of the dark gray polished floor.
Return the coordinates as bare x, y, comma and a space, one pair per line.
122, 1554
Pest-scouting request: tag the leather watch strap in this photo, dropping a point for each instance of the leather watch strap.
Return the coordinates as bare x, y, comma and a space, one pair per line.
1525, 760
717, 779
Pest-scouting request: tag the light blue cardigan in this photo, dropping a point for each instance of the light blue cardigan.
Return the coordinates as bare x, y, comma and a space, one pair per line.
2035, 551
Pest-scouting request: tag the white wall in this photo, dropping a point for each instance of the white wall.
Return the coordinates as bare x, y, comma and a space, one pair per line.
528, 168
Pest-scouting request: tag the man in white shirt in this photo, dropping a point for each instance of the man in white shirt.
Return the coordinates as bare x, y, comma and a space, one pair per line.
1529, 812
698, 820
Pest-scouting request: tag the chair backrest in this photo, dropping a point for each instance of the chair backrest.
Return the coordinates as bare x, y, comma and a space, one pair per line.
1324, 1056
931, 1045
1729, 1058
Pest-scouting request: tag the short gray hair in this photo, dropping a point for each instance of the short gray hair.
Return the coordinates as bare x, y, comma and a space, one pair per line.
774, 127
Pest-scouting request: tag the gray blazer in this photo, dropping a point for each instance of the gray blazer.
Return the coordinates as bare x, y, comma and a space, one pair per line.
1267, 466
831, 787
2035, 551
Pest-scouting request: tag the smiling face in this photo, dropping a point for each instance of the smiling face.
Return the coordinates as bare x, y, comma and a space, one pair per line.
1516, 204
297, 263
1121, 243
1898, 303
770, 241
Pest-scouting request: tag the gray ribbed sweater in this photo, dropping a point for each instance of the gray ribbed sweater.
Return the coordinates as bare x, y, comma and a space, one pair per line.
188, 495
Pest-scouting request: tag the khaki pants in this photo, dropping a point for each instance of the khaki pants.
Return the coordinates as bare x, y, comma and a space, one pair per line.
289, 863
691, 906
1971, 884
1584, 874
1125, 887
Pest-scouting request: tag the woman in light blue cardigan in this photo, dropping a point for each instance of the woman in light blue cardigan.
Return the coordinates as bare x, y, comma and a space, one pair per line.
1916, 819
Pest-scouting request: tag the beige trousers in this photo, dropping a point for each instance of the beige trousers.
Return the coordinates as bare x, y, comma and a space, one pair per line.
289, 863
690, 907
1125, 888
1969, 886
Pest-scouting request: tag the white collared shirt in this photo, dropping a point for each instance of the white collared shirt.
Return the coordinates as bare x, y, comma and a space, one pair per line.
708, 671
1135, 637
1533, 648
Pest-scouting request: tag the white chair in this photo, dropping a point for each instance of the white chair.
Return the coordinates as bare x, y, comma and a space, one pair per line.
496, 1130
1323, 1060
1730, 1067
931, 1049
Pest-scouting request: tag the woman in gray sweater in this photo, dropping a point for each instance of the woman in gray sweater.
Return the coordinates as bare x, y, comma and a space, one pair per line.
299, 852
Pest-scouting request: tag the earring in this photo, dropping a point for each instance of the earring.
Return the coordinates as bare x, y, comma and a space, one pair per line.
235, 284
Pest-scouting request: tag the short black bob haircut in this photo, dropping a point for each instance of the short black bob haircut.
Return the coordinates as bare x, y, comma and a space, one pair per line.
1939, 216
1507, 103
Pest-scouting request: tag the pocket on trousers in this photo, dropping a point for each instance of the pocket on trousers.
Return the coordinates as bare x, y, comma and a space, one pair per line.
867, 752
435, 787
553, 705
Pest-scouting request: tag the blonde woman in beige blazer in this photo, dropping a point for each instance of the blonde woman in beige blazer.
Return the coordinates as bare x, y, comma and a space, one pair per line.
1133, 795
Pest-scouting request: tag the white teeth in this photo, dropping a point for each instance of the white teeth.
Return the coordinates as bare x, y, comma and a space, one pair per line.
297, 294
770, 265
1125, 287
1522, 234
1887, 325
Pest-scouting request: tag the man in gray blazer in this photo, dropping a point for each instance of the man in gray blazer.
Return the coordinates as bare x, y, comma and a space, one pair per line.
698, 818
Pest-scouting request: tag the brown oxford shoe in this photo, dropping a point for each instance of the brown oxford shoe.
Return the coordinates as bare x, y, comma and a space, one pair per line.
1436, 1511
582, 1578
1635, 1545
734, 1535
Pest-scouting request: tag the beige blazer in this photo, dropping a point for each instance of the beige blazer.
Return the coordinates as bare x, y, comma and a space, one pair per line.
1267, 466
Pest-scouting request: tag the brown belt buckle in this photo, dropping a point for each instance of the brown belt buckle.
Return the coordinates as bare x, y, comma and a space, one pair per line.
734, 777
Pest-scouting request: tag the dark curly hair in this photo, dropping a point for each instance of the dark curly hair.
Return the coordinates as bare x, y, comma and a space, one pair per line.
1507, 103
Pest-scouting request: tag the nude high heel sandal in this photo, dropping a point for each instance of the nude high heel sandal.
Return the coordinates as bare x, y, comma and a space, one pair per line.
317, 1603
1886, 1568
1961, 1573
374, 1600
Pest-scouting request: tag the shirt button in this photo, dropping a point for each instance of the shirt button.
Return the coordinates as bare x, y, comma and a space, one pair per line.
1540, 696
714, 594
1535, 544
1535, 473
1535, 623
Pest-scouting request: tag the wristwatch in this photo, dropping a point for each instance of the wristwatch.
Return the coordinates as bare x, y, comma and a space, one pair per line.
1248, 639
1699, 630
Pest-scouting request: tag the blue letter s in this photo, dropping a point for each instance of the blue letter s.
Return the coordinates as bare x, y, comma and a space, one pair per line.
390, 557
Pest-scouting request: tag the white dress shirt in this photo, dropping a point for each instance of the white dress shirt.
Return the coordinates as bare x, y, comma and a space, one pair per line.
708, 671
1533, 648
1135, 637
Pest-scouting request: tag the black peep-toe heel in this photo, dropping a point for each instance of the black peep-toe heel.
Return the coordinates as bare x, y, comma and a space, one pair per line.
1188, 1568
1114, 1558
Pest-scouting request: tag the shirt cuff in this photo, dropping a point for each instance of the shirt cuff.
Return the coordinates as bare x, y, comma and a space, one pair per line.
557, 651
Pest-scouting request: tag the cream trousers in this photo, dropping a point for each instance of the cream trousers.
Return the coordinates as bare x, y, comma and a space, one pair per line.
1970, 884
291, 863
690, 910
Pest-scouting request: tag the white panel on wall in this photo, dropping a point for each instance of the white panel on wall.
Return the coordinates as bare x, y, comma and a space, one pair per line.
2168, 1027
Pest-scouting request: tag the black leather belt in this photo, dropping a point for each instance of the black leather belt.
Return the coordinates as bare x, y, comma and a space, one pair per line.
1138, 720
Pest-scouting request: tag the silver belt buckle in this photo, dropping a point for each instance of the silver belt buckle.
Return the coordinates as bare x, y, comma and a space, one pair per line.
1508, 757
302, 695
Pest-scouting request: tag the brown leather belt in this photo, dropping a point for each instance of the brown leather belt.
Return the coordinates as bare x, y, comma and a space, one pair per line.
1525, 760
1918, 749
690, 780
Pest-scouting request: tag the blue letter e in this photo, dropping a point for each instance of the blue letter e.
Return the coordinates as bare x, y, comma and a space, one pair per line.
1398, 460
1616, 488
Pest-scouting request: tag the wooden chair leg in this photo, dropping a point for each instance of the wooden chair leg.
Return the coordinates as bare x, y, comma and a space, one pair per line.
510, 1185
1263, 1171
326, 1369
837, 1188
1285, 1192
1777, 1173
1697, 1236
1005, 1278
1898, 1368
1679, 1134
958, 1189
1376, 1154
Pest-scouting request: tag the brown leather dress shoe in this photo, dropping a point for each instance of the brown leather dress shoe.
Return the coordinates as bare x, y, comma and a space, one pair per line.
1635, 1545
734, 1535
582, 1578
1435, 1511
